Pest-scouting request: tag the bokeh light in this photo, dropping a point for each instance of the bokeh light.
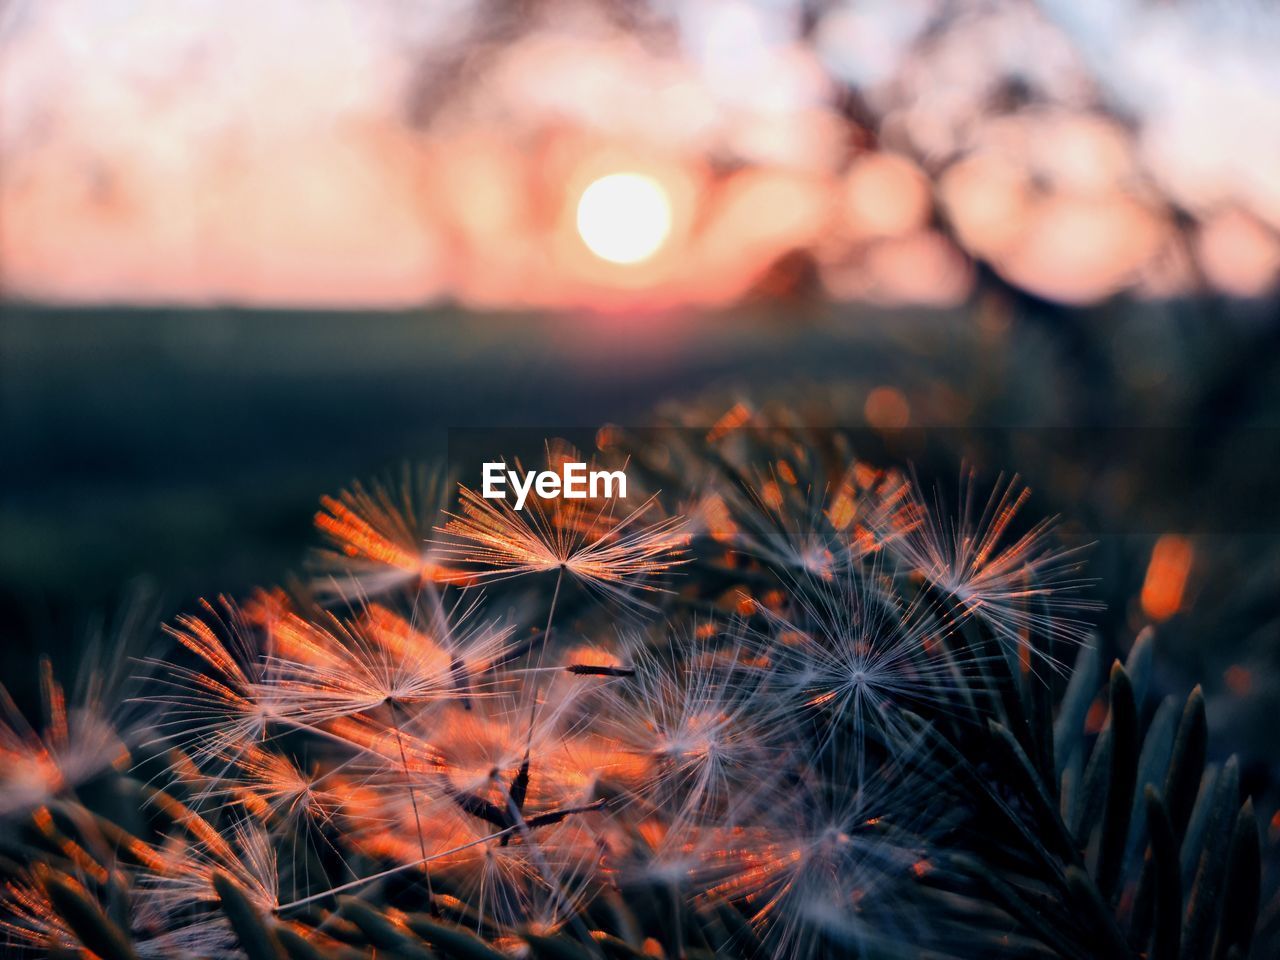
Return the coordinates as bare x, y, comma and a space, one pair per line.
383, 153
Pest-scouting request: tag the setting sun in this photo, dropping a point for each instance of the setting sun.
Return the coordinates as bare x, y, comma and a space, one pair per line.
624, 217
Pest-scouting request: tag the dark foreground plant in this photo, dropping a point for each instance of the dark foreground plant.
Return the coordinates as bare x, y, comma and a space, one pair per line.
790, 707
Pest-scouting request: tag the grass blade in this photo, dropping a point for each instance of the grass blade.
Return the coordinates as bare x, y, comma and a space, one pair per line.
1166, 937
86, 919
1123, 772
1240, 894
256, 939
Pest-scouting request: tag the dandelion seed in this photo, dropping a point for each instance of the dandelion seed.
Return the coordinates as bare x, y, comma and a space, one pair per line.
182, 885
273, 786
219, 708
381, 539
612, 556
799, 527
337, 668
539, 881
74, 745
610, 552
832, 865
29, 921
1018, 585
695, 728
508, 874
855, 650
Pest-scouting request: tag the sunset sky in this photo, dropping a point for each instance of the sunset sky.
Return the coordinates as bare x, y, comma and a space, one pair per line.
340, 153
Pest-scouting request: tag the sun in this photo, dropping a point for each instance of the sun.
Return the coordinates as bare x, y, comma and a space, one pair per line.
624, 217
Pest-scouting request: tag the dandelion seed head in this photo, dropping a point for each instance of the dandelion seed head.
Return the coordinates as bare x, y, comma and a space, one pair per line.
179, 889
75, 744
1018, 584
341, 667
380, 539
607, 545
698, 726
28, 919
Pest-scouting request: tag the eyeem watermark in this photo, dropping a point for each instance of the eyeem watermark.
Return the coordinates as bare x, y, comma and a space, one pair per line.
573, 482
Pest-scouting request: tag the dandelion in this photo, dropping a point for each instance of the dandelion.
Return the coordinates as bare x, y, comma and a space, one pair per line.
800, 527
1019, 585
688, 731
74, 745
611, 552
832, 866
858, 652
380, 539
218, 708
787, 766
335, 668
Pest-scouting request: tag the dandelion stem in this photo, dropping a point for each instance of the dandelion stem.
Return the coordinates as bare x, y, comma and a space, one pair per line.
551, 613
413, 802
400, 868
537, 688
541, 864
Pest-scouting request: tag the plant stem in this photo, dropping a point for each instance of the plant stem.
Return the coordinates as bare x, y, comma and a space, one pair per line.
537, 688
392, 871
413, 801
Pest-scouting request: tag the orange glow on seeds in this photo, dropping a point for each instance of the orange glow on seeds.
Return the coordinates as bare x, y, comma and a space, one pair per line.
358, 538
